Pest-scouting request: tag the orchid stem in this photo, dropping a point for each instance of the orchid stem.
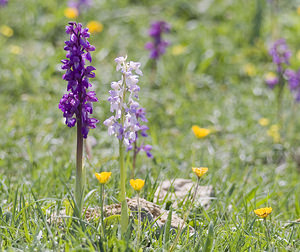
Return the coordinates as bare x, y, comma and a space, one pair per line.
134, 159
102, 209
80, 172
139, 222
279, 100
124, 215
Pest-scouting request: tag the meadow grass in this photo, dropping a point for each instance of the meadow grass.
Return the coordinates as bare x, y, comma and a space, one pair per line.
207, 85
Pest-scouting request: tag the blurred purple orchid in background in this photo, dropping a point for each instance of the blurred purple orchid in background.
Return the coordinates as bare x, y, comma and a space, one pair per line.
3, 3
80, 4
294, 82
280, 54
158, 46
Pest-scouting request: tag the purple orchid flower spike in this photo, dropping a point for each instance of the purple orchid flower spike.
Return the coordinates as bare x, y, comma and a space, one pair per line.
77, 104
158, 46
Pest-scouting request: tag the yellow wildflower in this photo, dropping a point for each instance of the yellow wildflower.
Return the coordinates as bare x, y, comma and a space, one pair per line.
103, 177
273, 132
94, 27
6, 31
15, 49
137, 184
178, 49
298, 10
298, 55
270, 76
200, 132
200, 171
71, 13
249, 69
263, 212
263, 121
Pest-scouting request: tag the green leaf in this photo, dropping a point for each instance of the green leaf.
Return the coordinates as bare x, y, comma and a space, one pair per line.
113, 219
210, 238
167, 229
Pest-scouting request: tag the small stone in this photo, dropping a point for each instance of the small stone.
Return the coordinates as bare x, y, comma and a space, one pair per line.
149, 211
179, 189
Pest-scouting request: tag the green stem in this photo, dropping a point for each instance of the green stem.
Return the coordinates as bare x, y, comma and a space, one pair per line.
102, 209
279, 100
80, 172
153, 71
134, 159
274, 14
267, 232
139, 222
124, 215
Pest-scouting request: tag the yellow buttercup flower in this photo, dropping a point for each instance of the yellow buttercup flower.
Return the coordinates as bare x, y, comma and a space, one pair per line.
137, 184
6, 31
103, 177
298, 10
273, 132
200, 132
94, 27
263, 121
71, 13
200, 171
250, 69
298, 55
270, 76
263, 212
178, 49
15, 49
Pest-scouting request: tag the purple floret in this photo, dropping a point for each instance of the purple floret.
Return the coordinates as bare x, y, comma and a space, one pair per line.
77, 104
3, 2
140, 114
272, 82
158, 46
80, 4
294, 82
280, 54
147, 149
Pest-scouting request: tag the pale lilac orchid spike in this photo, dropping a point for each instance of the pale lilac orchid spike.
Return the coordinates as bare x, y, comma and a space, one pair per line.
127, 132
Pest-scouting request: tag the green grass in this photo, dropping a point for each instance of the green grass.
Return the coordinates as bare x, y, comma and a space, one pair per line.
206, 85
